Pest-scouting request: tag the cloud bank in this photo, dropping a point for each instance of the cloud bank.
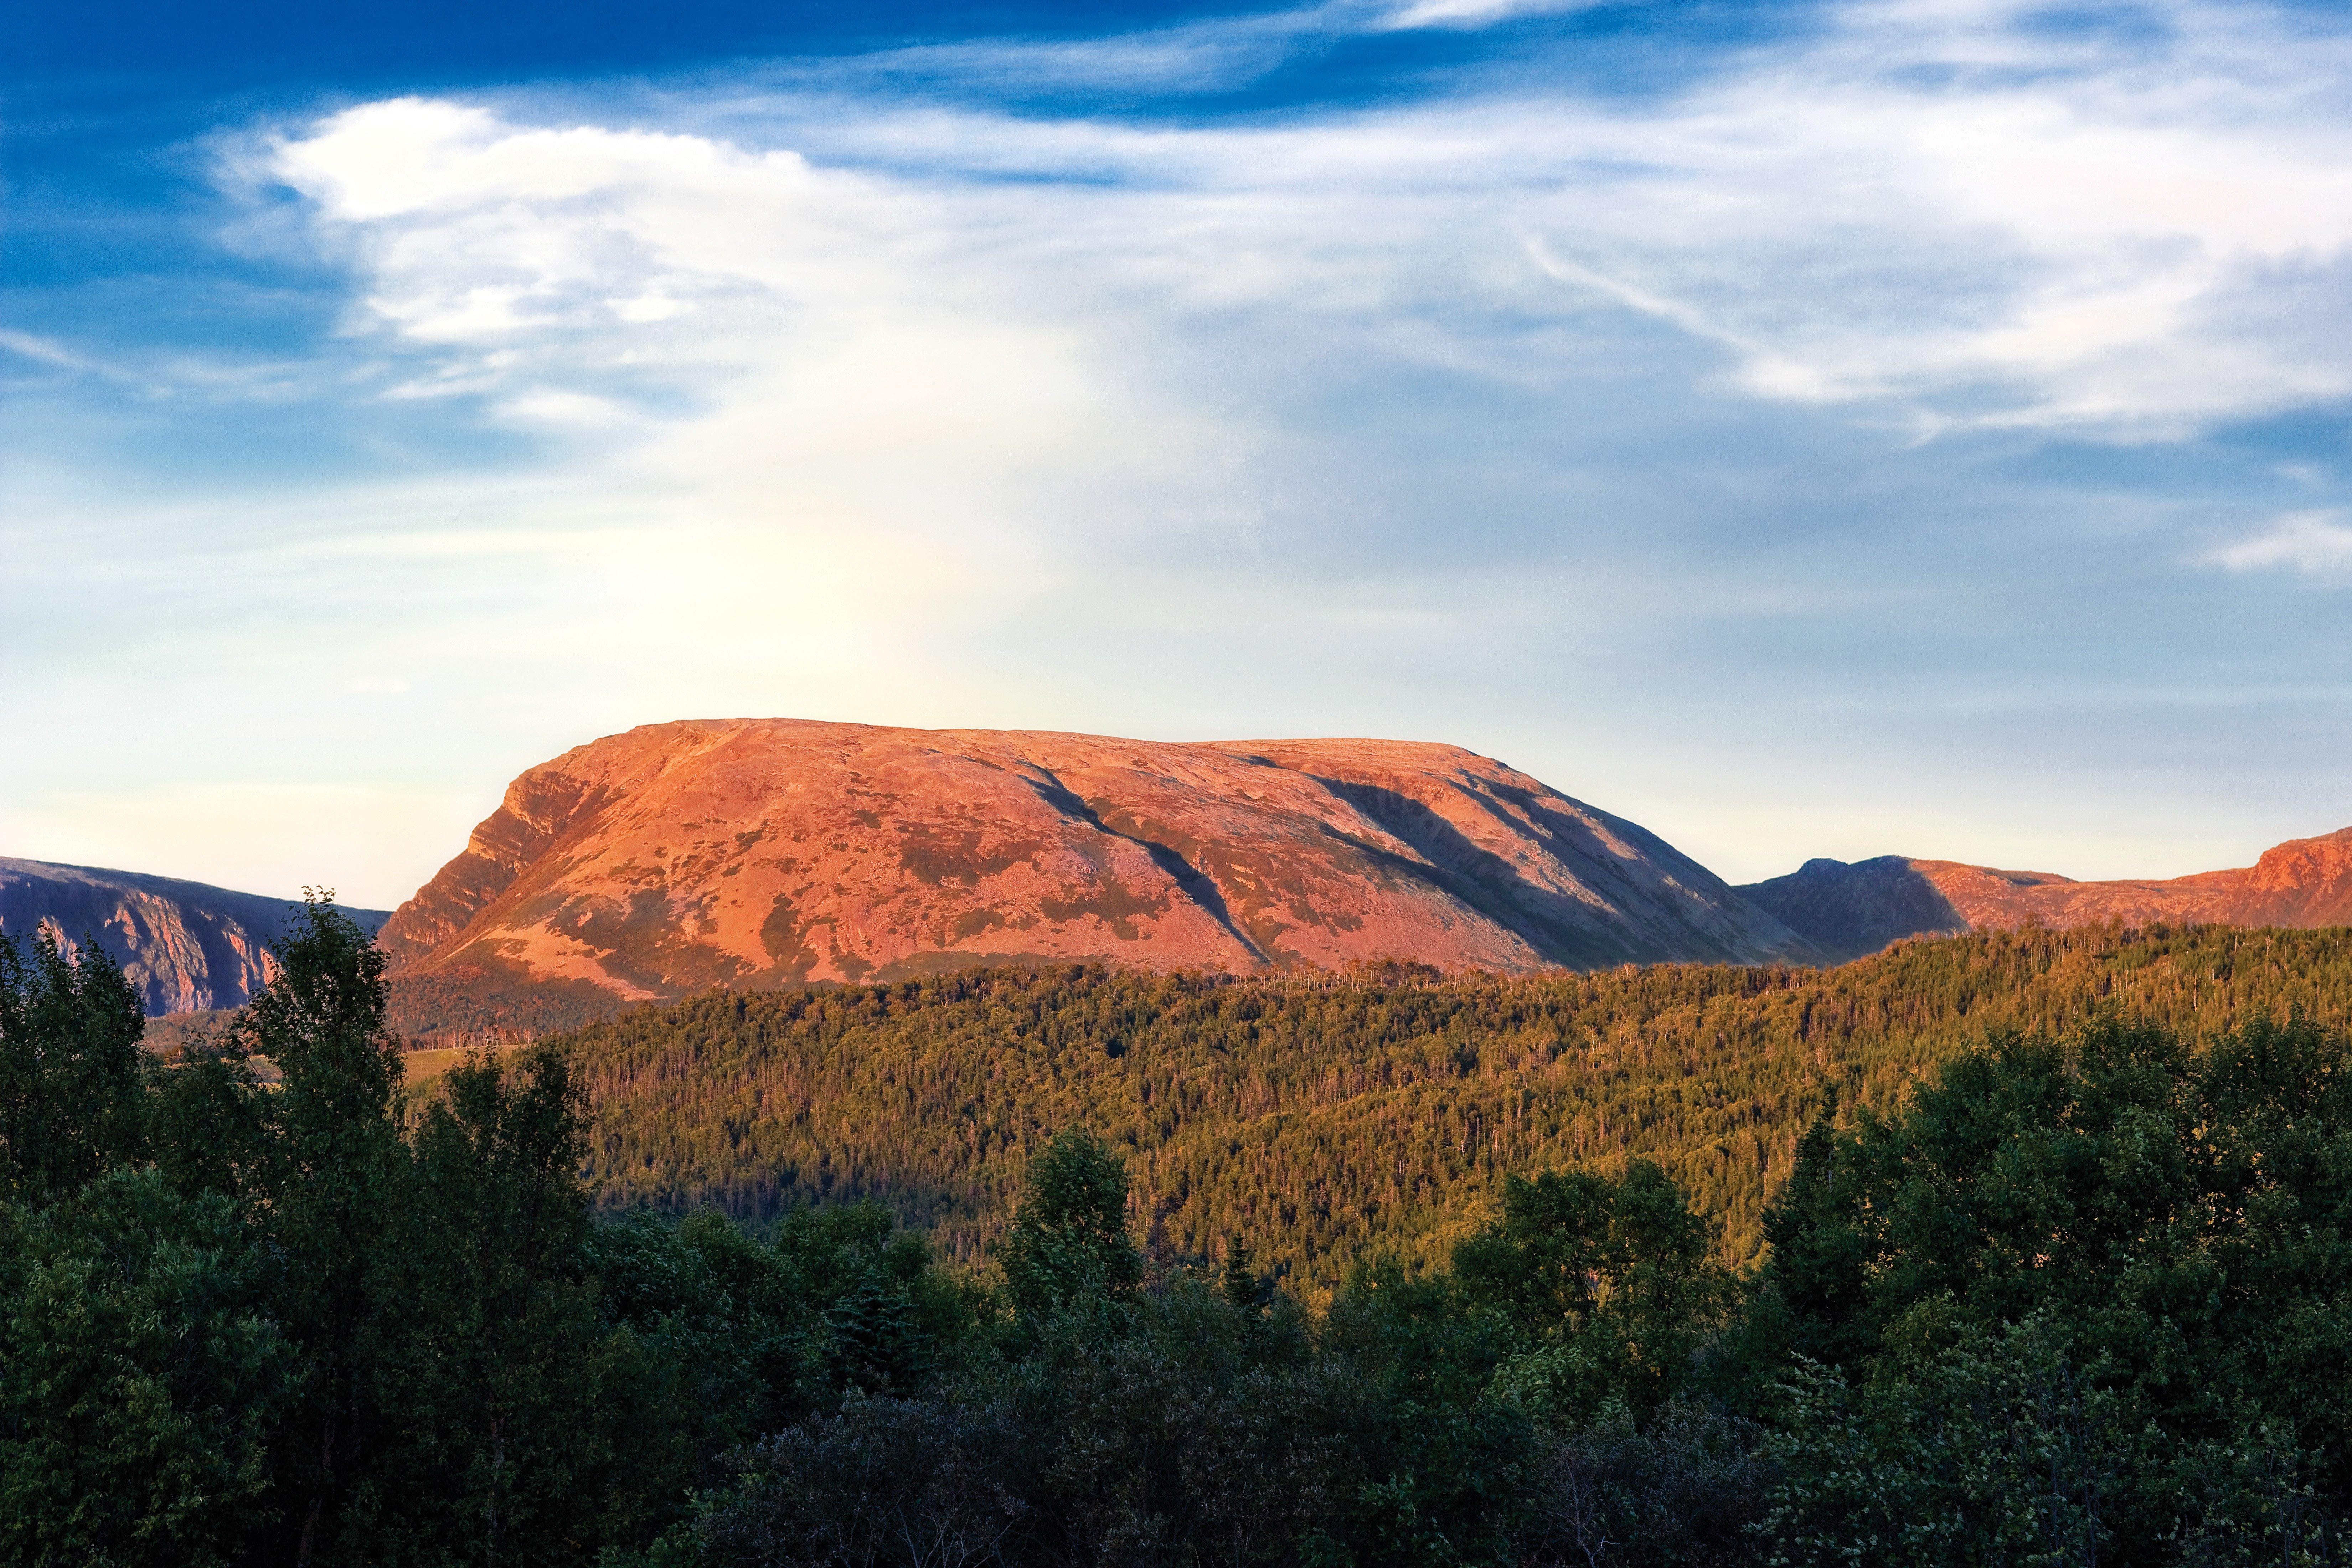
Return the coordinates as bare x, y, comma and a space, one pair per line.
1840, 402
1949, 213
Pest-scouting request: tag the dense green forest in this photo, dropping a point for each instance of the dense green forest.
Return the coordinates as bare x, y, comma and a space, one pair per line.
1329, 1118
2080, 1292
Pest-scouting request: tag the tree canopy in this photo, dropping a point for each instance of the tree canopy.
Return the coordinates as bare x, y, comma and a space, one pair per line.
1327, 1118
2067, 1292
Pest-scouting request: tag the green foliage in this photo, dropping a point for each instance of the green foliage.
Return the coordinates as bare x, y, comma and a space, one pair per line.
1244, 1289
2080, 1265
1068, 1242
496, 1430
330, 1167
2079, 1291
211, 1126
1996, 1449
142, 1377
1328, 1117
1610, 1282
70, 1089
1685, 1488
2088, 1293
886, 1480
731, 1339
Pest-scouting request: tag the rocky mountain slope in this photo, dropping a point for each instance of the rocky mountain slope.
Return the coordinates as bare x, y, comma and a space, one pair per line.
1847, 910
186, 946
763, 852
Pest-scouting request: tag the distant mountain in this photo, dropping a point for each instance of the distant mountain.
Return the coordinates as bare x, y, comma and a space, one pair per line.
759, 853
1848, 910
185, 946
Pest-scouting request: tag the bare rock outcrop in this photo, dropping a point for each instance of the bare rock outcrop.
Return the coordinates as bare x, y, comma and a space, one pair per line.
186, 946
768, 852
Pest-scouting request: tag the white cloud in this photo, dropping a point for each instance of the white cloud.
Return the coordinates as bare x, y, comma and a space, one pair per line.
2315, 544
1474, 13
830, 389
832, 355
2063, 241
43, 350
1200, 56
1940, 209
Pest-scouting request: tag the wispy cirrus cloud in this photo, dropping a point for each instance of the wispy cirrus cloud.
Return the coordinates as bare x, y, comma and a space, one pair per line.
2314, 543
1948, 210
1471, 13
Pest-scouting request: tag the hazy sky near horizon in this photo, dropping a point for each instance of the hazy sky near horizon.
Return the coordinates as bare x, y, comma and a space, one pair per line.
1915, 428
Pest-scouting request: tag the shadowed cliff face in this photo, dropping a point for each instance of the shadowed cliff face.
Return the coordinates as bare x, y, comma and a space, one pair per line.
765, 852
185, 946
1849, 910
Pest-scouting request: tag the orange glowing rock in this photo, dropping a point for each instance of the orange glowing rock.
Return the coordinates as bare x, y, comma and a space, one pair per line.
757, 853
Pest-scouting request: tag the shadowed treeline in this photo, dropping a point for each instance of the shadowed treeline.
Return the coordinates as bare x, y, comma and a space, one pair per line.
2079, 1296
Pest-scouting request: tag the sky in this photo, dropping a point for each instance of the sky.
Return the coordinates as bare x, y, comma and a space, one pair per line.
1910, 427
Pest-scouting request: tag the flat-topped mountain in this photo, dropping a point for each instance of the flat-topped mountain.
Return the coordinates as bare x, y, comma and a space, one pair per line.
765, 852
186, 946
1847, 910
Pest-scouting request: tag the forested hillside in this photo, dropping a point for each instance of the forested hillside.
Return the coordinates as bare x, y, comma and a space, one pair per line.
1329, 1118
2079, 1297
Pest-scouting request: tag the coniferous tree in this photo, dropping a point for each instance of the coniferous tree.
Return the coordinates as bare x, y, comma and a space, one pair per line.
1239, 1284
1326, 1119
877, 1345
2080, 1291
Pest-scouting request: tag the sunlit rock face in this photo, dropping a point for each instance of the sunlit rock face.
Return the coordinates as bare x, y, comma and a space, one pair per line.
184, 945
768, 852
1851, 909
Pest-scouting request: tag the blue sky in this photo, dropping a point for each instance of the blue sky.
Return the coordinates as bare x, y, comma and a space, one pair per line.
1900, 427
